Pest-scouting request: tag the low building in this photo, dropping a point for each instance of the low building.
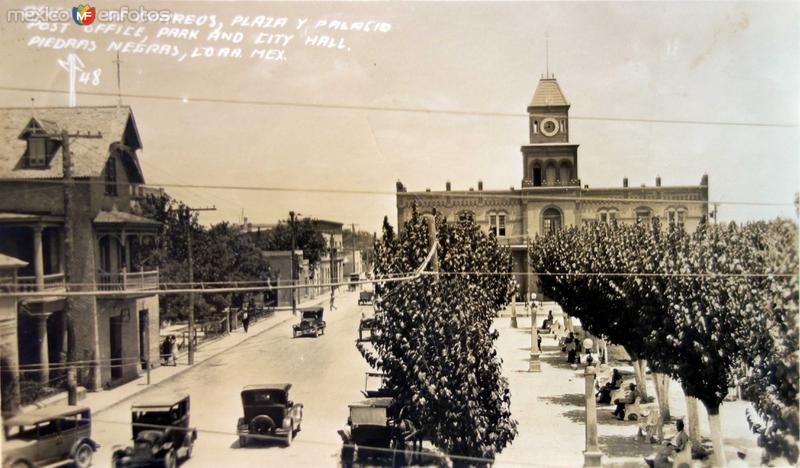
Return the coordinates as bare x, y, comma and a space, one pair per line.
330, 269
280, 263
551, 195
116, 329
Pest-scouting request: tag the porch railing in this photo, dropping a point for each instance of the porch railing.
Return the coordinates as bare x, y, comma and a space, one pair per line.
128, 281
52, 282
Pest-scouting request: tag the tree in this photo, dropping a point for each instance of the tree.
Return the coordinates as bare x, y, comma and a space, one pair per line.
435, 341
307, 239
773, 385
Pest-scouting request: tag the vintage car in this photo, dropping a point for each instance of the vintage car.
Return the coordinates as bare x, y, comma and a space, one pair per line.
374, 431
269, 414
50, 435
160, 433
368, 324
365, 297
310, 324
375, 385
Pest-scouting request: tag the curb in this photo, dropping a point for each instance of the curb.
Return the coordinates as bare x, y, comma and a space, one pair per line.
187, 368
197, 363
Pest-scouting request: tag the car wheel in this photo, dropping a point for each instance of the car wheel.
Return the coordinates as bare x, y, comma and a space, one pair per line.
83, 456
187, 442
169, 459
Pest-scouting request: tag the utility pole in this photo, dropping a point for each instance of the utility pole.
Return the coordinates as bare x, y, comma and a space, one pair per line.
353, 227
333, 262
292, 217
432, 244
191, 276
72, 353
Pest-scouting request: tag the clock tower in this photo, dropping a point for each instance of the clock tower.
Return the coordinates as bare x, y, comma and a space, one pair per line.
549, 160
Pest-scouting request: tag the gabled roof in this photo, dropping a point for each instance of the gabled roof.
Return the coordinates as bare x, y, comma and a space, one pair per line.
89, 154
122, 217
548, 94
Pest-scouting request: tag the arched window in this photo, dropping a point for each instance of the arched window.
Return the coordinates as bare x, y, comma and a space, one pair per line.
551, 174
565, 172
643, 214
537, 174
607, 215
551, 221
535, 126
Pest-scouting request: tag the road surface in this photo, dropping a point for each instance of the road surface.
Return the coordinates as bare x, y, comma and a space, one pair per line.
326, 373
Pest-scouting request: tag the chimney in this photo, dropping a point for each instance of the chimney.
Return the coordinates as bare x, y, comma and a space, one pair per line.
658, 181
428, 189
624, 181
704, 180
399, 186
480, 185
471, 189
586, 186
447, 186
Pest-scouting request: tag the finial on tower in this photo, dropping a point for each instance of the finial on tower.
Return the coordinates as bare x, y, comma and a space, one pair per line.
546, 55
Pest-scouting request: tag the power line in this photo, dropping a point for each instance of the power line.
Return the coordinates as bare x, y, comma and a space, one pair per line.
417, 110
517, 194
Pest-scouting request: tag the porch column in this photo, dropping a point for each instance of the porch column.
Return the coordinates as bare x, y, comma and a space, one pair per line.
44, 359
38, 257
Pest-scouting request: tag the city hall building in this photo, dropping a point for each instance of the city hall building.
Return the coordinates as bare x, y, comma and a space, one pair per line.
551, 194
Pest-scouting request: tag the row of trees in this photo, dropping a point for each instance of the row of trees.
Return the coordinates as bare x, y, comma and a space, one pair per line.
435, 341
697, 307
220, 254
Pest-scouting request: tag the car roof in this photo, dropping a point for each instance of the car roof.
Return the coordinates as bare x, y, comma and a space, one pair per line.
160, 401
279, 386
312, 309
379, 402
43, 414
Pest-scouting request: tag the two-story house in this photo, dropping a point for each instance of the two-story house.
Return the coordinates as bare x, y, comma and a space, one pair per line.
97, 294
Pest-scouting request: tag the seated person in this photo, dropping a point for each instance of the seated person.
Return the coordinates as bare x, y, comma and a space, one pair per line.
548, 322
672, 446
630, 396
604, 394
571, 347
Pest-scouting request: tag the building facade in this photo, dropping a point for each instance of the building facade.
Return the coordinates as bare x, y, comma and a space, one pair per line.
551, 195
116, 331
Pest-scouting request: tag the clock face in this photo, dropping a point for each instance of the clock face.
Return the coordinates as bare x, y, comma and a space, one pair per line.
549, 127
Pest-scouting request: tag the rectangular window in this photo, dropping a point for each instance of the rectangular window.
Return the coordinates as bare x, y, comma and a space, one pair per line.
612, 215
681, 218
501, 226
111, 177
671, 218
603, 217
493, 224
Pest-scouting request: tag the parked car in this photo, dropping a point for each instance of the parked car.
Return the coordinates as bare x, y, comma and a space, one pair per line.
365, 297
161, 433
50, 435
311, 323
375, 385
374, 428
269, 413
368, 324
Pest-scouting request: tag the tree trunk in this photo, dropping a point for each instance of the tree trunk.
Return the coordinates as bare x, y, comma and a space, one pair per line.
718, 457
693, 421
639, 376
665, 381
660, 396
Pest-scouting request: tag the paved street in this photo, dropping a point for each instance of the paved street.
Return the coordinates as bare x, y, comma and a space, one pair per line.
327, 373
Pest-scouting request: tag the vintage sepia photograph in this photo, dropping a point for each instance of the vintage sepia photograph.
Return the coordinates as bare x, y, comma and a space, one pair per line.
399, 233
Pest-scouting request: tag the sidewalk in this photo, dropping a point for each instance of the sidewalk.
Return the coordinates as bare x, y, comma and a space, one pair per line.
99, 401
549, 407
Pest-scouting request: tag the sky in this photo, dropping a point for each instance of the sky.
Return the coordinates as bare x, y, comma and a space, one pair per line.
338, 118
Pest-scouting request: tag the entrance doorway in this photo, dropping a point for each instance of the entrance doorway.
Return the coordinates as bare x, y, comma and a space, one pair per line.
115, 340
144, 337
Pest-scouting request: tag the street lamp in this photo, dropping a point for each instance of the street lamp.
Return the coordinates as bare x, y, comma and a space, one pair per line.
592, 456
535, 364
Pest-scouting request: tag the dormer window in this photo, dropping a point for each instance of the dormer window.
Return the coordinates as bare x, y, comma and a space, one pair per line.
37, 152
41, 146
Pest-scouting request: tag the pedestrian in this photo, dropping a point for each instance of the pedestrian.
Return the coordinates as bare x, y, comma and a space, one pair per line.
333, 296
173, 349
245, 320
